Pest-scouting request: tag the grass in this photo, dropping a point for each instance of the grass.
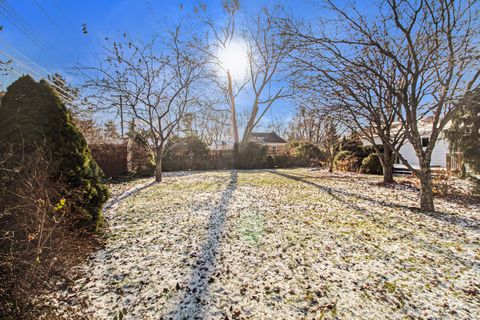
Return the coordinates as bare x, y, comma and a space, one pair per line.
251, 227
294, 244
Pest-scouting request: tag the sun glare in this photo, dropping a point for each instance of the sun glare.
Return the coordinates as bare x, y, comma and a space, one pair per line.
234, 58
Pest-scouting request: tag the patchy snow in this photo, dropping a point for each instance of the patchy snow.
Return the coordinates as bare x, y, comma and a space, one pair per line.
281, 244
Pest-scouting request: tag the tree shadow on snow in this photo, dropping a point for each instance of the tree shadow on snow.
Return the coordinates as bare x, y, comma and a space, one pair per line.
195, 297
445, 217
333, 192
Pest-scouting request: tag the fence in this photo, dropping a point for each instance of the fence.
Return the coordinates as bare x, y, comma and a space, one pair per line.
454, 162
111, 158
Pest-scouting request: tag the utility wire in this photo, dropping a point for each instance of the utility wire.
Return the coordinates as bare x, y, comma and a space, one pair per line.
8, 15
23, 26
65, 95
52, 21
61, 96
67, 17
27, 58
12, 15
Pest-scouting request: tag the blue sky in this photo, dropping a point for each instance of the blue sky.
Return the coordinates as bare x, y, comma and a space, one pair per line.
46, 35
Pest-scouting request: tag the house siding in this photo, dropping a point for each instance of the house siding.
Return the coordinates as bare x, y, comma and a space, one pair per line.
275, 149
439, 153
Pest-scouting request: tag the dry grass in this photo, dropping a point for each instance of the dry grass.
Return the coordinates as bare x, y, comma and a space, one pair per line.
282, 244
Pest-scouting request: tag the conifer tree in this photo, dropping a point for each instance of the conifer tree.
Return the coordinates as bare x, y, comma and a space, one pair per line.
464, 134
32, 116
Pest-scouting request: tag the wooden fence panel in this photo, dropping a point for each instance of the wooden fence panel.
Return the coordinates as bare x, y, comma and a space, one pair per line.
111, 158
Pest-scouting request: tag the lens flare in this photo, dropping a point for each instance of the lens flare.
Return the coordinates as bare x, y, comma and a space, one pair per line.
234, 58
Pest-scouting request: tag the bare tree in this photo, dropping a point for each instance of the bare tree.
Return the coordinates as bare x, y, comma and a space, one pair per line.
268, 49
433, 48
155, 81
308, 122
213, 122
5, 65
348, 90
217, 43
279, 125
316, 124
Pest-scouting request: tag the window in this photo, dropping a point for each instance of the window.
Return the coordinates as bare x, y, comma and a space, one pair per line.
274, 148
425, 142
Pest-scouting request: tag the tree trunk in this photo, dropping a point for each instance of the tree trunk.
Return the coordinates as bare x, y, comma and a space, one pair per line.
158, 165
426, 192
232, 106
463, 171
235, 156
251, 121
330, 166
387, 165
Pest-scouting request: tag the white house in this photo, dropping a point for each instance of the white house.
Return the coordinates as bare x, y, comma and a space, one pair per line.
440, 153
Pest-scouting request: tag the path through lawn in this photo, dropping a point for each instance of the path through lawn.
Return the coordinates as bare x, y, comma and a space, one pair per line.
285, 244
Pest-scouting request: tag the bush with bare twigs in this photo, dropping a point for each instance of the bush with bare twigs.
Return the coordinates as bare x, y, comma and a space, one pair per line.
442, 183
347, 161
39, 235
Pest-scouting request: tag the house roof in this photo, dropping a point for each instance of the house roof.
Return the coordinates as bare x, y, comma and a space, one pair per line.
267, 137
424, 127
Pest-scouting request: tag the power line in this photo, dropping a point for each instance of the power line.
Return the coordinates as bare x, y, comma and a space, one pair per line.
65, 95
7, 14
27, 58
24, 27
52, 21
13, 16
61, 96
67, 17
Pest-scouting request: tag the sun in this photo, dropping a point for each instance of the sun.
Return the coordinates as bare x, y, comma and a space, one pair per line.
234, 59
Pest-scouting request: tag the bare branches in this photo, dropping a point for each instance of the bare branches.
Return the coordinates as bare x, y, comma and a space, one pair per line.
411, 63
155, 82
268, 49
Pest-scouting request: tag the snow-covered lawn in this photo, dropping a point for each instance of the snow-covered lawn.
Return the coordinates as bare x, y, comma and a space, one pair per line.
282, 244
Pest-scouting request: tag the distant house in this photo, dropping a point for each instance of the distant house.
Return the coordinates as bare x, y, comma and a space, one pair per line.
275, 144
441, 157
219, 147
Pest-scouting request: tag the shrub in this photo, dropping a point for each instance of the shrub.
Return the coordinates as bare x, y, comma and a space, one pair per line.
270, 163
441, 183
284, 161
187, 153
222, 161
39, 235
306, 153
111, 158
251, 155
32, 115
139, 158
354, 144
371, 164
346, 161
